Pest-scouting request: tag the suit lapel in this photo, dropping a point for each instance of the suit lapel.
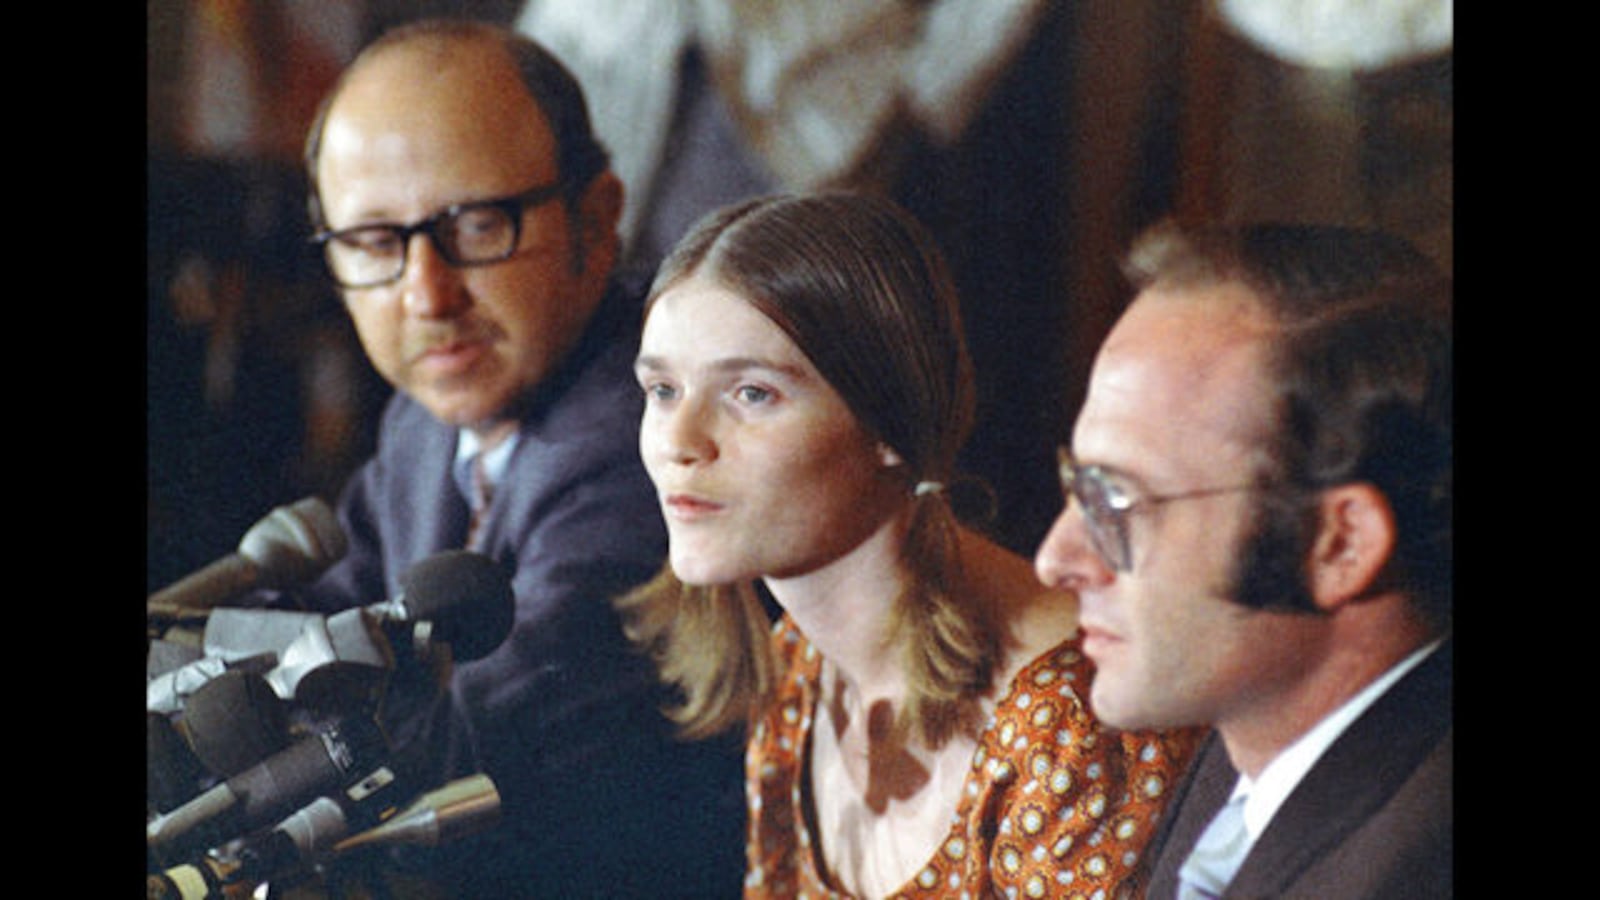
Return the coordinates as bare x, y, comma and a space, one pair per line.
1354, 777
1199, 796
429, 514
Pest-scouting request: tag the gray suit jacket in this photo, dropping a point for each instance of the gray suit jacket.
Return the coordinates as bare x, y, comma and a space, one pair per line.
1372, 819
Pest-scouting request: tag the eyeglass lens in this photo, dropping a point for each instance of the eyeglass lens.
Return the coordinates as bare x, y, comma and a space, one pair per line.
373, 255
1103, 506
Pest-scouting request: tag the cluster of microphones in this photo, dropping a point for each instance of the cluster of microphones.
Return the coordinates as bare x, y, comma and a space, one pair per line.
266, 757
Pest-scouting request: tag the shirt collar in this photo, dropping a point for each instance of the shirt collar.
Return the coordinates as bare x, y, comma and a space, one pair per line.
495, 460
1267, 792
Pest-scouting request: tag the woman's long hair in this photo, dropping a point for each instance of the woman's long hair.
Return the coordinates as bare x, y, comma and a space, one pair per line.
863, 291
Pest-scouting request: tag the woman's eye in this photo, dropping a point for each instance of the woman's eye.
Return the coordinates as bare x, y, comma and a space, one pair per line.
750, 393
656, 391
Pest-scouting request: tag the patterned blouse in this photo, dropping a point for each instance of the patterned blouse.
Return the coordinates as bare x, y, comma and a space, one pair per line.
1055, 804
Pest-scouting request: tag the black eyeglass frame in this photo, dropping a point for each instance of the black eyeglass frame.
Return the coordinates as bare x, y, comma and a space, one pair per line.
1106, 516
512, 207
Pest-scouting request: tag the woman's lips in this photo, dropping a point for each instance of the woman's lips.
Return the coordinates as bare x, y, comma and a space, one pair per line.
689, 507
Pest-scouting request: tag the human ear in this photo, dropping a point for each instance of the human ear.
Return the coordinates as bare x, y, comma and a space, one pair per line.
1355, 541
600, 208
598, 214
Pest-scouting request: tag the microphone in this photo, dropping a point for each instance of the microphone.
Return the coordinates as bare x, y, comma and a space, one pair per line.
323, 827
230, 724
170, 691
172, 771
203, 879
297, 841
341, 663
235, 721
457, 597
292, 544
461, 808
269, 790
310, 833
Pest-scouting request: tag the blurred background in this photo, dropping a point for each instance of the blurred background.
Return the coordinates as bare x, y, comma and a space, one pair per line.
1076, 124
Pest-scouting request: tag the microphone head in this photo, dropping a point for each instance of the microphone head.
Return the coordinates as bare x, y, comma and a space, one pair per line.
468, 598
294, 543
172, 772
234, 721
307, 768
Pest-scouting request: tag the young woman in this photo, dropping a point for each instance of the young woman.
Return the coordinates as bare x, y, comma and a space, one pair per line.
915, 705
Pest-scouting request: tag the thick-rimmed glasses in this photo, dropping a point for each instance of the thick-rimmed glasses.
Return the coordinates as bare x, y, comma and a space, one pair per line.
1108, 501
467, 234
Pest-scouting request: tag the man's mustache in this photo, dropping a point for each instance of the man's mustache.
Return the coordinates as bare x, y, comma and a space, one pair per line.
432, 337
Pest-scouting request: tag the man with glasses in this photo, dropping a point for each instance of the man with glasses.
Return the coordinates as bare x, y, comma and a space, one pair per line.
469, 219
1258, 523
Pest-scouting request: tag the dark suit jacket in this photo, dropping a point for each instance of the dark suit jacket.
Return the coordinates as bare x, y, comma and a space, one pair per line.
599, 799
1372, 818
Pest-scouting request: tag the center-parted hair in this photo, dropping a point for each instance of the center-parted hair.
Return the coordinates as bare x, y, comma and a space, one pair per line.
862, 290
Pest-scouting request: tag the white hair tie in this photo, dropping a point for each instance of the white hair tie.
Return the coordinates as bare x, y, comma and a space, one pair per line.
925, 488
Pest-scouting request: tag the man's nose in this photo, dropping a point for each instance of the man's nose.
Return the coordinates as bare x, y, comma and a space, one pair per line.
1067, 558
432, 287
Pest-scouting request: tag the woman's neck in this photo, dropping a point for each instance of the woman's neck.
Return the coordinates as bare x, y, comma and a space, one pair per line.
846, 610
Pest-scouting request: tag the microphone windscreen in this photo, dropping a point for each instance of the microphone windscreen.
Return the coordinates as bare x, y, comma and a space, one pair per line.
466, 595
172, 771
234, 721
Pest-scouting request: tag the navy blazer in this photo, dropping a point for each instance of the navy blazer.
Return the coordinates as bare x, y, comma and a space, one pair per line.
1373, 818
599, 799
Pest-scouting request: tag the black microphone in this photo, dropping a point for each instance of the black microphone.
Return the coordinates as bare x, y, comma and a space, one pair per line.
231, 724
457, 597
265, 793
172, 771
291, 545
235, 721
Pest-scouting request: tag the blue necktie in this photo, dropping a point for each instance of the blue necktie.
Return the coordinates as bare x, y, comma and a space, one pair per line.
1217, 855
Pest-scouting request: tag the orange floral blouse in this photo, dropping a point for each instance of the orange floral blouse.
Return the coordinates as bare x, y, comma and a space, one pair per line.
1056, 805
